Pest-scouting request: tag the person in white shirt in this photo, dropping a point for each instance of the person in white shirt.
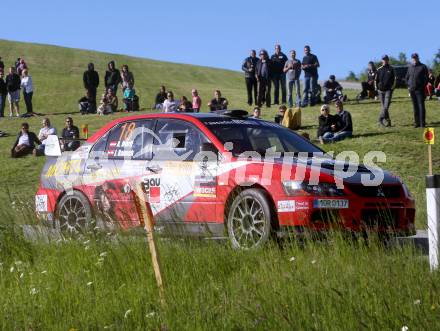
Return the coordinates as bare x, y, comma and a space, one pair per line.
28, 90
170, 105
45, 131
25, 142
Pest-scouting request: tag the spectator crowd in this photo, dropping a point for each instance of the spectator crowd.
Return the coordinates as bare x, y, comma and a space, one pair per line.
16, 79
261, 73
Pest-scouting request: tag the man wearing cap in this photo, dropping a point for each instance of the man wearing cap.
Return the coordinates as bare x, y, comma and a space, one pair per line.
385, 82
416, 79
248, 66
310, 65
333, 90
263, 74
278, 60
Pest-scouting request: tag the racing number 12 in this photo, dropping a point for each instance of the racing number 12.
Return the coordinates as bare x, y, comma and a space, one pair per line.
127, 131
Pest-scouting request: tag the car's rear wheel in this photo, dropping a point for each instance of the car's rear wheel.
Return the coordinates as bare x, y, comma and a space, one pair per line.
249, 219
74, 214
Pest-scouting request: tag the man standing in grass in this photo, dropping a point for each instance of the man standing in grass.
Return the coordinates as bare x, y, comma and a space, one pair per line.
112, 77
417, 78
310, 65
278, 61
385, 81
292, 68
13, 83
91, 82
263, 74
248, 66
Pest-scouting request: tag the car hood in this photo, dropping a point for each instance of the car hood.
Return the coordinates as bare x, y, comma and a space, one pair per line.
339, 169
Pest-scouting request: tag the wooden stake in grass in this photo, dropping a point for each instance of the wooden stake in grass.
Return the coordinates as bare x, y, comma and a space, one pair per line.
429, 138
147, 219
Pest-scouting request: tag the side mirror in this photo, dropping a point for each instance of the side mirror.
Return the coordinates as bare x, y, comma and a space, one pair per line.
52, 146
208, 147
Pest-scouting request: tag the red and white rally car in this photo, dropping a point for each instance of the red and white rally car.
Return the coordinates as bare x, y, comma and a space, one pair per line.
217, 175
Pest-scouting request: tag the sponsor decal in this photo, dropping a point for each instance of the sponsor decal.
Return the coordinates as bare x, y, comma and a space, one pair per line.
151, 186
120, 148
205, 186
41, 203
330, 203
302, 205
286, 206
64, 168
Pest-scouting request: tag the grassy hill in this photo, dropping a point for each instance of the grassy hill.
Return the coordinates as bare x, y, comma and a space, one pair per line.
57, 74
106, 281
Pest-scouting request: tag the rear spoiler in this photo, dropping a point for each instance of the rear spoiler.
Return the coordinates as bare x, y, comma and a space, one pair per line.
52, 146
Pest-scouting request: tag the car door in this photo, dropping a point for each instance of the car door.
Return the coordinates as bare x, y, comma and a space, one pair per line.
113, 170
186, 187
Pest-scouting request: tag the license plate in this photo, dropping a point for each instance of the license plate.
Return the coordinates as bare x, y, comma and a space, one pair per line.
330, 203
41, 203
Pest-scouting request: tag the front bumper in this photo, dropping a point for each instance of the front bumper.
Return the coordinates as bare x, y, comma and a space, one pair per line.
351, 213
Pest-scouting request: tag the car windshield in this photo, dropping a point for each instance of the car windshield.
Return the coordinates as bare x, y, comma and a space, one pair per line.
248, 135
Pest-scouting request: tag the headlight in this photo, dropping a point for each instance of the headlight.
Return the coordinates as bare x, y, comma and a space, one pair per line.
299, 188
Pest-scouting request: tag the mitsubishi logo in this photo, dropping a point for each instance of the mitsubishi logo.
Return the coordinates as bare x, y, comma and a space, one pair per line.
380, 193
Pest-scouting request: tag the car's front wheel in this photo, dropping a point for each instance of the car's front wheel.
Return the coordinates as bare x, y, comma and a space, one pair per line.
74, 214
249, 219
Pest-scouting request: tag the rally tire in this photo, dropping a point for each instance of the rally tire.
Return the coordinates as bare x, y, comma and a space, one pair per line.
249, 220
74, 214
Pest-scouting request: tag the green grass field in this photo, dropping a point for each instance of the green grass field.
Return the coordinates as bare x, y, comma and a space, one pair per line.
336, 286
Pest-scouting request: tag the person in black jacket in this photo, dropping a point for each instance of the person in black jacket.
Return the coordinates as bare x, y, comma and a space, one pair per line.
3, 93
368, 87
13, 84
91, 82
160, 98
327, 122
416, 79
278, 61
248, 66
70, 136
218, 103
112, 77
385, 82
343, 129
2, 64
263, 76
25, 142
333, 90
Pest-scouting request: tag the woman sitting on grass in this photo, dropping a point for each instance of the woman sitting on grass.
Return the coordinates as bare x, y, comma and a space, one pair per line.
25, 143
